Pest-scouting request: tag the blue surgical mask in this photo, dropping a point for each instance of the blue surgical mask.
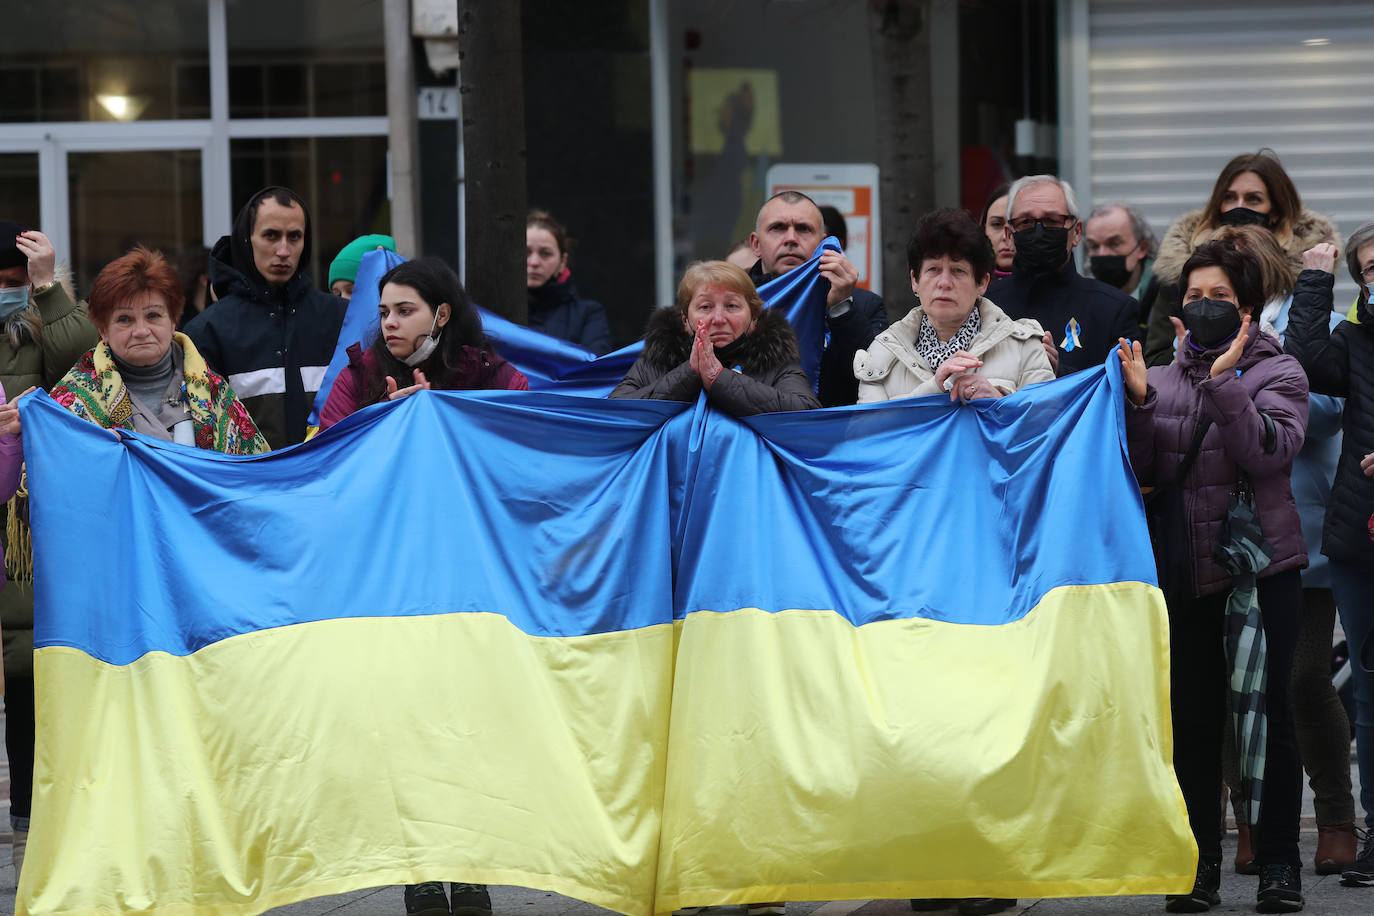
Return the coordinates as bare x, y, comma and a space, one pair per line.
13, 299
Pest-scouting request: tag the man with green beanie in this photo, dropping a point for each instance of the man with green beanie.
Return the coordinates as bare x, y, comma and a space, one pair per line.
343, 270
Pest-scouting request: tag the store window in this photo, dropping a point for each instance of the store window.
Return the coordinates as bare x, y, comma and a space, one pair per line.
342, 179
19, 188
743, 103
317, 59
122, 199
111, 61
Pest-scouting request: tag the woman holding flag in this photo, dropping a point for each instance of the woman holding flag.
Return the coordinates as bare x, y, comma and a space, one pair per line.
1217, 430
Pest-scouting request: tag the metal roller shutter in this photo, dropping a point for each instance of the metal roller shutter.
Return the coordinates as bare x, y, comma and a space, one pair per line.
1175, 89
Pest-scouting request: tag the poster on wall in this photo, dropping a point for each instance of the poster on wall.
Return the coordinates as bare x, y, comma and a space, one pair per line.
851, 188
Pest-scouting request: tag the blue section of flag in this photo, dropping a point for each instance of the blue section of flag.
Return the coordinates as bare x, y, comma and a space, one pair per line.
571, 516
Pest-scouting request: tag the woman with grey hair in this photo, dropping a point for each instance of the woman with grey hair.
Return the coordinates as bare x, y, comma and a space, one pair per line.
1340, 362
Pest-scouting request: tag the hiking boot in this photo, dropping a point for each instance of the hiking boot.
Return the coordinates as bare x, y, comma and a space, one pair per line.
426, 899
1335, 849
470, 900
1280, 889
1360, 873
982, 906
1204, 894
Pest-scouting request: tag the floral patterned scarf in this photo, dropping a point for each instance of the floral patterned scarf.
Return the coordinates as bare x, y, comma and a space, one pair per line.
93, 389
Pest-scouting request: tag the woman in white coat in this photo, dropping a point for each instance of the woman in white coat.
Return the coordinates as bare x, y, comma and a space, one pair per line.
954, 340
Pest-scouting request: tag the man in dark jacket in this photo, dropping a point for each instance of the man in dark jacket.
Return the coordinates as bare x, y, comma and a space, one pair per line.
1082, 317
1121, 253
788, 229
271, 334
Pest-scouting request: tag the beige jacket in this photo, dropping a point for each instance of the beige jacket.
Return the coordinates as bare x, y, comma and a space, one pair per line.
1011, 350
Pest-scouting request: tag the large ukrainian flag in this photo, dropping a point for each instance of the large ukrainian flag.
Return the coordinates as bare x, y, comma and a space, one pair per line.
634, 652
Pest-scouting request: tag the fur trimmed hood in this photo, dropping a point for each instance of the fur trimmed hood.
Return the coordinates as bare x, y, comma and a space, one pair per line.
770, 345
1310, 228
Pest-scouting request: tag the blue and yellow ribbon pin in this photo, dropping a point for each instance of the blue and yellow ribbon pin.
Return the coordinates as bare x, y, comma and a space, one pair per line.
1071, 341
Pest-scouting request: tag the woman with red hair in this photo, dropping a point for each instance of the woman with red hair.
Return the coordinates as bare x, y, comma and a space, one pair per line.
145, 376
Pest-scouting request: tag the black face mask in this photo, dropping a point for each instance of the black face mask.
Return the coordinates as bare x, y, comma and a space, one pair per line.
1244, 216
1210, 321
1040, 250
1111, 269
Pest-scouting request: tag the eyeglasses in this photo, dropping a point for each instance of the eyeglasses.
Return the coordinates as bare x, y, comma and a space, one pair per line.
1368, 274
1049, 221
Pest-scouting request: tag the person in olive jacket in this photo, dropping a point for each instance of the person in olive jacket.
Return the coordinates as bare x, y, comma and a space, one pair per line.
1340, 363
43, 331
722, 340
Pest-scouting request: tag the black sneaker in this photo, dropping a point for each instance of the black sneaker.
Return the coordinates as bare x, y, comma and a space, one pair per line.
470, 900
427, 899
1360, 873
1204, 894
1280, 889
983, 906
931, 904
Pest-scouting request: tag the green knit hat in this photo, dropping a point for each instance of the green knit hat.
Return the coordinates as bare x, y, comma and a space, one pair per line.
345, 266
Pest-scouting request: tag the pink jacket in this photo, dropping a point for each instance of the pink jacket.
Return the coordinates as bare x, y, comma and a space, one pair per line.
483, 368
11, 460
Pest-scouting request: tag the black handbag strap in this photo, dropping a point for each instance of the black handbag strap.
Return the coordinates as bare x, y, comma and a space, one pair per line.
1196, 446
1271, 434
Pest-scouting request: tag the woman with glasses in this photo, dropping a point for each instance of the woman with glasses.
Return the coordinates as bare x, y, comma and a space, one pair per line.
1340, 362
1252, 189
1082, 317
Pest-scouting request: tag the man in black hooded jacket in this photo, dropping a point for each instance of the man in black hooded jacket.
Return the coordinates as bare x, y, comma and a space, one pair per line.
271, 333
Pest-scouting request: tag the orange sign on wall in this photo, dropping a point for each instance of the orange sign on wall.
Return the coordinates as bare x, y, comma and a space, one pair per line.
852, 189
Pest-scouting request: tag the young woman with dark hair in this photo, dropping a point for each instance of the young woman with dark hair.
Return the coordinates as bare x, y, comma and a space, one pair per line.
428, 336
555, 307
1252, 189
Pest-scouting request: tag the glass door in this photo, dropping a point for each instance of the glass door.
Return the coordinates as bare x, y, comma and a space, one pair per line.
19, 188
119, 199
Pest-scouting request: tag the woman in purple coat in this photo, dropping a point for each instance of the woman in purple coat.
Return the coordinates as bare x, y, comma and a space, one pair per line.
1232, 380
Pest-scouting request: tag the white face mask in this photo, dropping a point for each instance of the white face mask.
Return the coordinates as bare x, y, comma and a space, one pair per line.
13, 299
426, 347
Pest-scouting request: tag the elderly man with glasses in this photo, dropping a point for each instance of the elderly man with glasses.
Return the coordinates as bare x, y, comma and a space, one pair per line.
1082, 317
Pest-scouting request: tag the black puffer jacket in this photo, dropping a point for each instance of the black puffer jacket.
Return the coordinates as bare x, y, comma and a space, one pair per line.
1340, 363
769, 376
558, 311
272, 344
